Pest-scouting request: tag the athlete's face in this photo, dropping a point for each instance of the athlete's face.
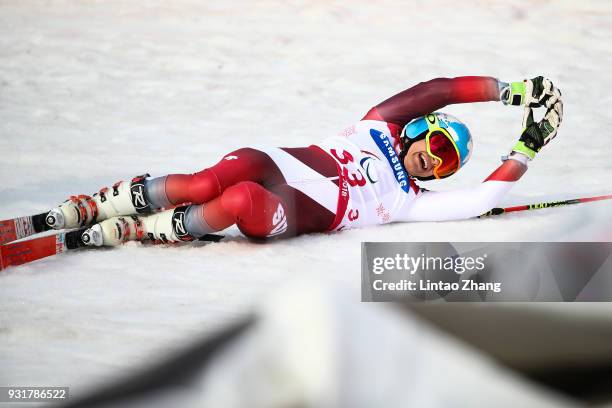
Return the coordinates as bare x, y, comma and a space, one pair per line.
418, 162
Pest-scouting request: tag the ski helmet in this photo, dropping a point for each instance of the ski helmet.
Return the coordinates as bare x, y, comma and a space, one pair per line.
448, 140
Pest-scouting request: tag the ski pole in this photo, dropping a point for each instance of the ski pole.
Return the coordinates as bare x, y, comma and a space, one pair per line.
537, 206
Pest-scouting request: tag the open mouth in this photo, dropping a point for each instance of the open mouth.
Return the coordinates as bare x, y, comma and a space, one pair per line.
423, 161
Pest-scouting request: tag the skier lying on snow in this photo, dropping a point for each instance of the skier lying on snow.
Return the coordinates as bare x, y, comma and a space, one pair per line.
364, 176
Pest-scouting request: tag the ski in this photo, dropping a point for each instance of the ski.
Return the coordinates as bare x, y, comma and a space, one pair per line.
22, 227
19, 253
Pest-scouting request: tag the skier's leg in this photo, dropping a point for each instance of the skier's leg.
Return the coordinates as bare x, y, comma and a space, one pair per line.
248, 188
241, 165
142, 196
258, 213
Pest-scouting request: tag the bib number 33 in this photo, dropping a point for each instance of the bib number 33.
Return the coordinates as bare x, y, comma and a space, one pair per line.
354, 177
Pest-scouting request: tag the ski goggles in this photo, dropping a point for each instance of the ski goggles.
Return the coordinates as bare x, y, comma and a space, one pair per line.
440, 146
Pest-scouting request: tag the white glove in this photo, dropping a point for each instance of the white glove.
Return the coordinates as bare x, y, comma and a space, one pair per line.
533, 93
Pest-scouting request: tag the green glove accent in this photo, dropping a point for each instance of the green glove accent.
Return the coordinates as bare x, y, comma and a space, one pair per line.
517, 93
514, 94
520, 147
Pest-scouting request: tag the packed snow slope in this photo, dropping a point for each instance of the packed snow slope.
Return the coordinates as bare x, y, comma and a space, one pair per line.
95, 92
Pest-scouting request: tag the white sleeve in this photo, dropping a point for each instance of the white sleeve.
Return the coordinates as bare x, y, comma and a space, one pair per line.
468, 202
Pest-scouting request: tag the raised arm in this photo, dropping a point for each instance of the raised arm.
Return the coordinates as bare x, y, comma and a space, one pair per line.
430, 96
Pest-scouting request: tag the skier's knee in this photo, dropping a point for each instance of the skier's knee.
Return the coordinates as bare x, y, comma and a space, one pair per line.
237, 200
203, 186
258, 213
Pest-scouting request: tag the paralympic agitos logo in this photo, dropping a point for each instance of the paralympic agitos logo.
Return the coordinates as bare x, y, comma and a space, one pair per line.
369, 168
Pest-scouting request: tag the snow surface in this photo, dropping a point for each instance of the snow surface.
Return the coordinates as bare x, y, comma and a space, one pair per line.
95, 92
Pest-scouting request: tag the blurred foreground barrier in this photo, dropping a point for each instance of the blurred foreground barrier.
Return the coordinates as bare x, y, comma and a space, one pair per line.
316, 346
